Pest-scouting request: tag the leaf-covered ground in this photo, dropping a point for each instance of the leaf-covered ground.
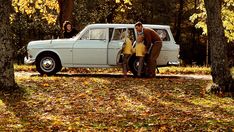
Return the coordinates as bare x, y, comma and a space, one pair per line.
101, 102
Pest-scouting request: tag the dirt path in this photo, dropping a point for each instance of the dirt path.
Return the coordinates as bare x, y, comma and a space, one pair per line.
185, 76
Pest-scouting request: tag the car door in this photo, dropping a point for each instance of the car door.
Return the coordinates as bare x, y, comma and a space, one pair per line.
115, 45
91, 48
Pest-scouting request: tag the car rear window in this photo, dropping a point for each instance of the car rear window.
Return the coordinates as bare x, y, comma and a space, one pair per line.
163, 34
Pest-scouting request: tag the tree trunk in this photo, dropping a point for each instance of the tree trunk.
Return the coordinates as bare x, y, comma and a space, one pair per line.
7, 80
194, 35
66, 8
178, 26
220, 71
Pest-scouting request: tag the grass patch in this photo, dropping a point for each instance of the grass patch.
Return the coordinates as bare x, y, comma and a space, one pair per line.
26, 68
113, 103
185, 70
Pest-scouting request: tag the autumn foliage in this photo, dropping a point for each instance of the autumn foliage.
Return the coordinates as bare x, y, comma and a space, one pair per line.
109, 102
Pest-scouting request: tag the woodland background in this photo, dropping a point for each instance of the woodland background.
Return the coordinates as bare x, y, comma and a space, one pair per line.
103, 100
42, 19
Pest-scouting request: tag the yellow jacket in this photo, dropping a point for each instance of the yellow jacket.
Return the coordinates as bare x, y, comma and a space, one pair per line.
127, 49
140, 49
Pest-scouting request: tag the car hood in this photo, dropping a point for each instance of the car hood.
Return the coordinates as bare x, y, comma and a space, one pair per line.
53, 43
39, 43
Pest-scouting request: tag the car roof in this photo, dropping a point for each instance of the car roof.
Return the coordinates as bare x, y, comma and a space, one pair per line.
102, 25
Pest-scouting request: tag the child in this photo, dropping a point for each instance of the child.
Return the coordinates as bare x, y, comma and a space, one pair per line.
127, 51
140, 53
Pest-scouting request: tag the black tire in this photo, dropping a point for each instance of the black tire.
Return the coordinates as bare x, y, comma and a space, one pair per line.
48, 63
133, 65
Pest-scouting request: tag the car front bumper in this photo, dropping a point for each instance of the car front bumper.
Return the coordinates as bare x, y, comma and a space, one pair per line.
28, 60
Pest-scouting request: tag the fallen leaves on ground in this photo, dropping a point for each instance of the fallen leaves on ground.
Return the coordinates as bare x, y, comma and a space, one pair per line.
99, 103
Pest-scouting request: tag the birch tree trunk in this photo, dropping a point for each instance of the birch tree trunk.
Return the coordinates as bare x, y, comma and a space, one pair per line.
7, 80
222, 78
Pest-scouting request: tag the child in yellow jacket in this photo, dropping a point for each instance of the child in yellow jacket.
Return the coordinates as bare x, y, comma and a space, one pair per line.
127, 51
140, 53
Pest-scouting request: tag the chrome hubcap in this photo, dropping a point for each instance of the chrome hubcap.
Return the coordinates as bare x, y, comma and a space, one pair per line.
136, 65
47, 64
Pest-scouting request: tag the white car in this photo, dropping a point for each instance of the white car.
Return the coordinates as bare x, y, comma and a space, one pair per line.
97, 46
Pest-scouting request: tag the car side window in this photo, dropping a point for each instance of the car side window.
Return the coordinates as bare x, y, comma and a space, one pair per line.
95, 34
98, 34
110, 33
118, 33
131, 34
163, 34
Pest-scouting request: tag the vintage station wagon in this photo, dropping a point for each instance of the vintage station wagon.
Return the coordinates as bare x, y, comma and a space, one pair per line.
98, 46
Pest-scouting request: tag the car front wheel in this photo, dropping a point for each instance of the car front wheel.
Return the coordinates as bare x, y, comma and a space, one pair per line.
48, 64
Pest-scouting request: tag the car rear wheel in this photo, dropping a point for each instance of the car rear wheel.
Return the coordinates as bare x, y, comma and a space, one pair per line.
48, 64
134, 64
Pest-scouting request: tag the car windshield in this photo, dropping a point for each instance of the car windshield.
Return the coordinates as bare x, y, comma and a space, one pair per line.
77, 35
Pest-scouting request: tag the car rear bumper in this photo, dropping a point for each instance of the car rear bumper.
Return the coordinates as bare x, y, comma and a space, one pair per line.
173, 63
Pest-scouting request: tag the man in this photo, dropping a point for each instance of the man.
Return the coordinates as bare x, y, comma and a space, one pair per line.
153, 45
